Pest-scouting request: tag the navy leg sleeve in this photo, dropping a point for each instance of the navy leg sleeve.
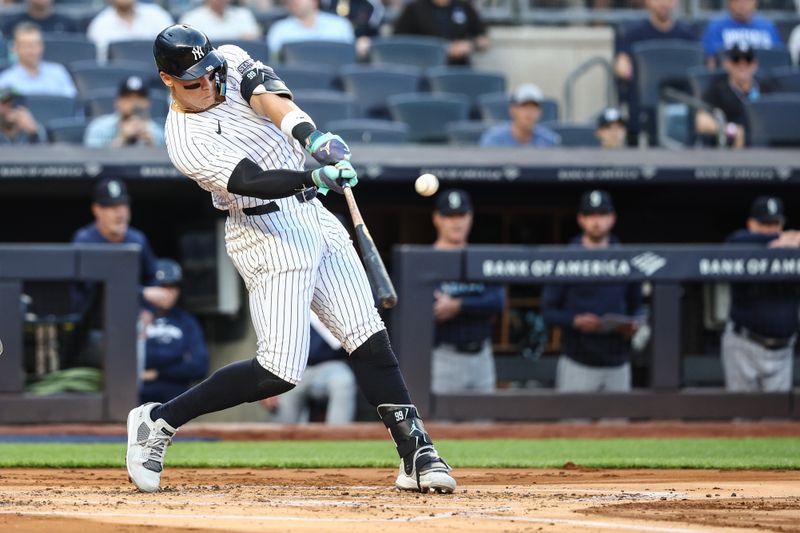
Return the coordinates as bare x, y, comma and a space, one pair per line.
237, 383
377, 372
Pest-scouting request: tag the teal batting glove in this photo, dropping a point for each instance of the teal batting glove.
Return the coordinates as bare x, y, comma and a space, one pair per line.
334, 177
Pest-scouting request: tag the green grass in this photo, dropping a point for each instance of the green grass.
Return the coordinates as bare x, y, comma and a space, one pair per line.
754, 453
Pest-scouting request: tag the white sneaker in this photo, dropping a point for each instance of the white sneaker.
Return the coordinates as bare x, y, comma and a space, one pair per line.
427, 472
147, 444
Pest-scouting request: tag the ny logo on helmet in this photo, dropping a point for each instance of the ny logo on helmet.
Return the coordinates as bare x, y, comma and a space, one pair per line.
198, 53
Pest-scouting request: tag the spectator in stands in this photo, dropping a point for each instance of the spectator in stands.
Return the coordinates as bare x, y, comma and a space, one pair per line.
462, 357
741, 24
729, 93
307, 23
327, 378
175, 351
31, 75
611, 128
597, 320
525, 110
758, 343
221, 21
126, 20
40, 12
456, 21
130, 124
17, 125
365, 16
659, 25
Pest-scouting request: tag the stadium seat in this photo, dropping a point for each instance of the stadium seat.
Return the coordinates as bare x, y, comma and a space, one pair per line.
255, 49
90, 75
300, 77
66, 130
131, 50
660, 62
101, 102
65, 48
370, 131
465, 131
772, 59
45, 108
494, 108
464, 80
573, 134
415, 51
773, 120
787, 79
325, 106
427, 114
700, 79
331, 53
372, 85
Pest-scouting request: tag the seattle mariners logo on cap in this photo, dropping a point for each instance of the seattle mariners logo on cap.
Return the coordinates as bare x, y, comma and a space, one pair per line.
595, 199
454, 199
772, 206
114, 190
198, 53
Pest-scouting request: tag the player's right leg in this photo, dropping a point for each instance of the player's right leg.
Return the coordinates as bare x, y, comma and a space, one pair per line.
343, 301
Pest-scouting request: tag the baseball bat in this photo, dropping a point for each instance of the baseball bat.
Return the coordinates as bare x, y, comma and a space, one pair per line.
376, 271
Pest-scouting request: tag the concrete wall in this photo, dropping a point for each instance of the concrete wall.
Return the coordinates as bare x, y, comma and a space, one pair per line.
546, 55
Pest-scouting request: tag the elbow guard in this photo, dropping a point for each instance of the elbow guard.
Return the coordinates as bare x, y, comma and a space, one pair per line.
260, 80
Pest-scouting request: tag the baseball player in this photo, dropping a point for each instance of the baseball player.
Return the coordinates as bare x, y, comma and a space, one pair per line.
234, 129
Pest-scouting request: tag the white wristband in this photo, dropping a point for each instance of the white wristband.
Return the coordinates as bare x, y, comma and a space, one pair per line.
292, 119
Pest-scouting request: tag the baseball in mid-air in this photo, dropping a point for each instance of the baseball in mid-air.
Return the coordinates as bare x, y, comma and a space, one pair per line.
427, 185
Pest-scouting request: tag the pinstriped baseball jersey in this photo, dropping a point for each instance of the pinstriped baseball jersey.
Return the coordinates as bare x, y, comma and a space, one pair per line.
293, 260
207, 146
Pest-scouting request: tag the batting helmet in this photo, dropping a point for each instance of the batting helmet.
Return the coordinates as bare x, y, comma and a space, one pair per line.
168, 272
187, 54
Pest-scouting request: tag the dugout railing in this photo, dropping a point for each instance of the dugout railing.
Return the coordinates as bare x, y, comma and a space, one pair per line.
117, 269
418, 269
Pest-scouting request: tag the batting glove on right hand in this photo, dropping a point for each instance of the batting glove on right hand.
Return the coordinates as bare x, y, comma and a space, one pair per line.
334, 177
327, 148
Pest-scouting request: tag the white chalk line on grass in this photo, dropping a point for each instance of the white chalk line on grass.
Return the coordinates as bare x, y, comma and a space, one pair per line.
436, 516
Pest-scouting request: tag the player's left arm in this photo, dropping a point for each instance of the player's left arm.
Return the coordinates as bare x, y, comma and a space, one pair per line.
269, 97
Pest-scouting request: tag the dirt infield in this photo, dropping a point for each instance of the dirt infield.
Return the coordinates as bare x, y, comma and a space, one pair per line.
363, 500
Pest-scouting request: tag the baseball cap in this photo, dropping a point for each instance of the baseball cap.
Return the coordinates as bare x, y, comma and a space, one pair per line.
767, 209
168, 272
111, 191
132, 85
740, 50
527, 92
610, 115
453, 202
596, 202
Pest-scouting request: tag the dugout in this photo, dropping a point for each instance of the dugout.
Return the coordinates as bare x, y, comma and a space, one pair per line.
521, 198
